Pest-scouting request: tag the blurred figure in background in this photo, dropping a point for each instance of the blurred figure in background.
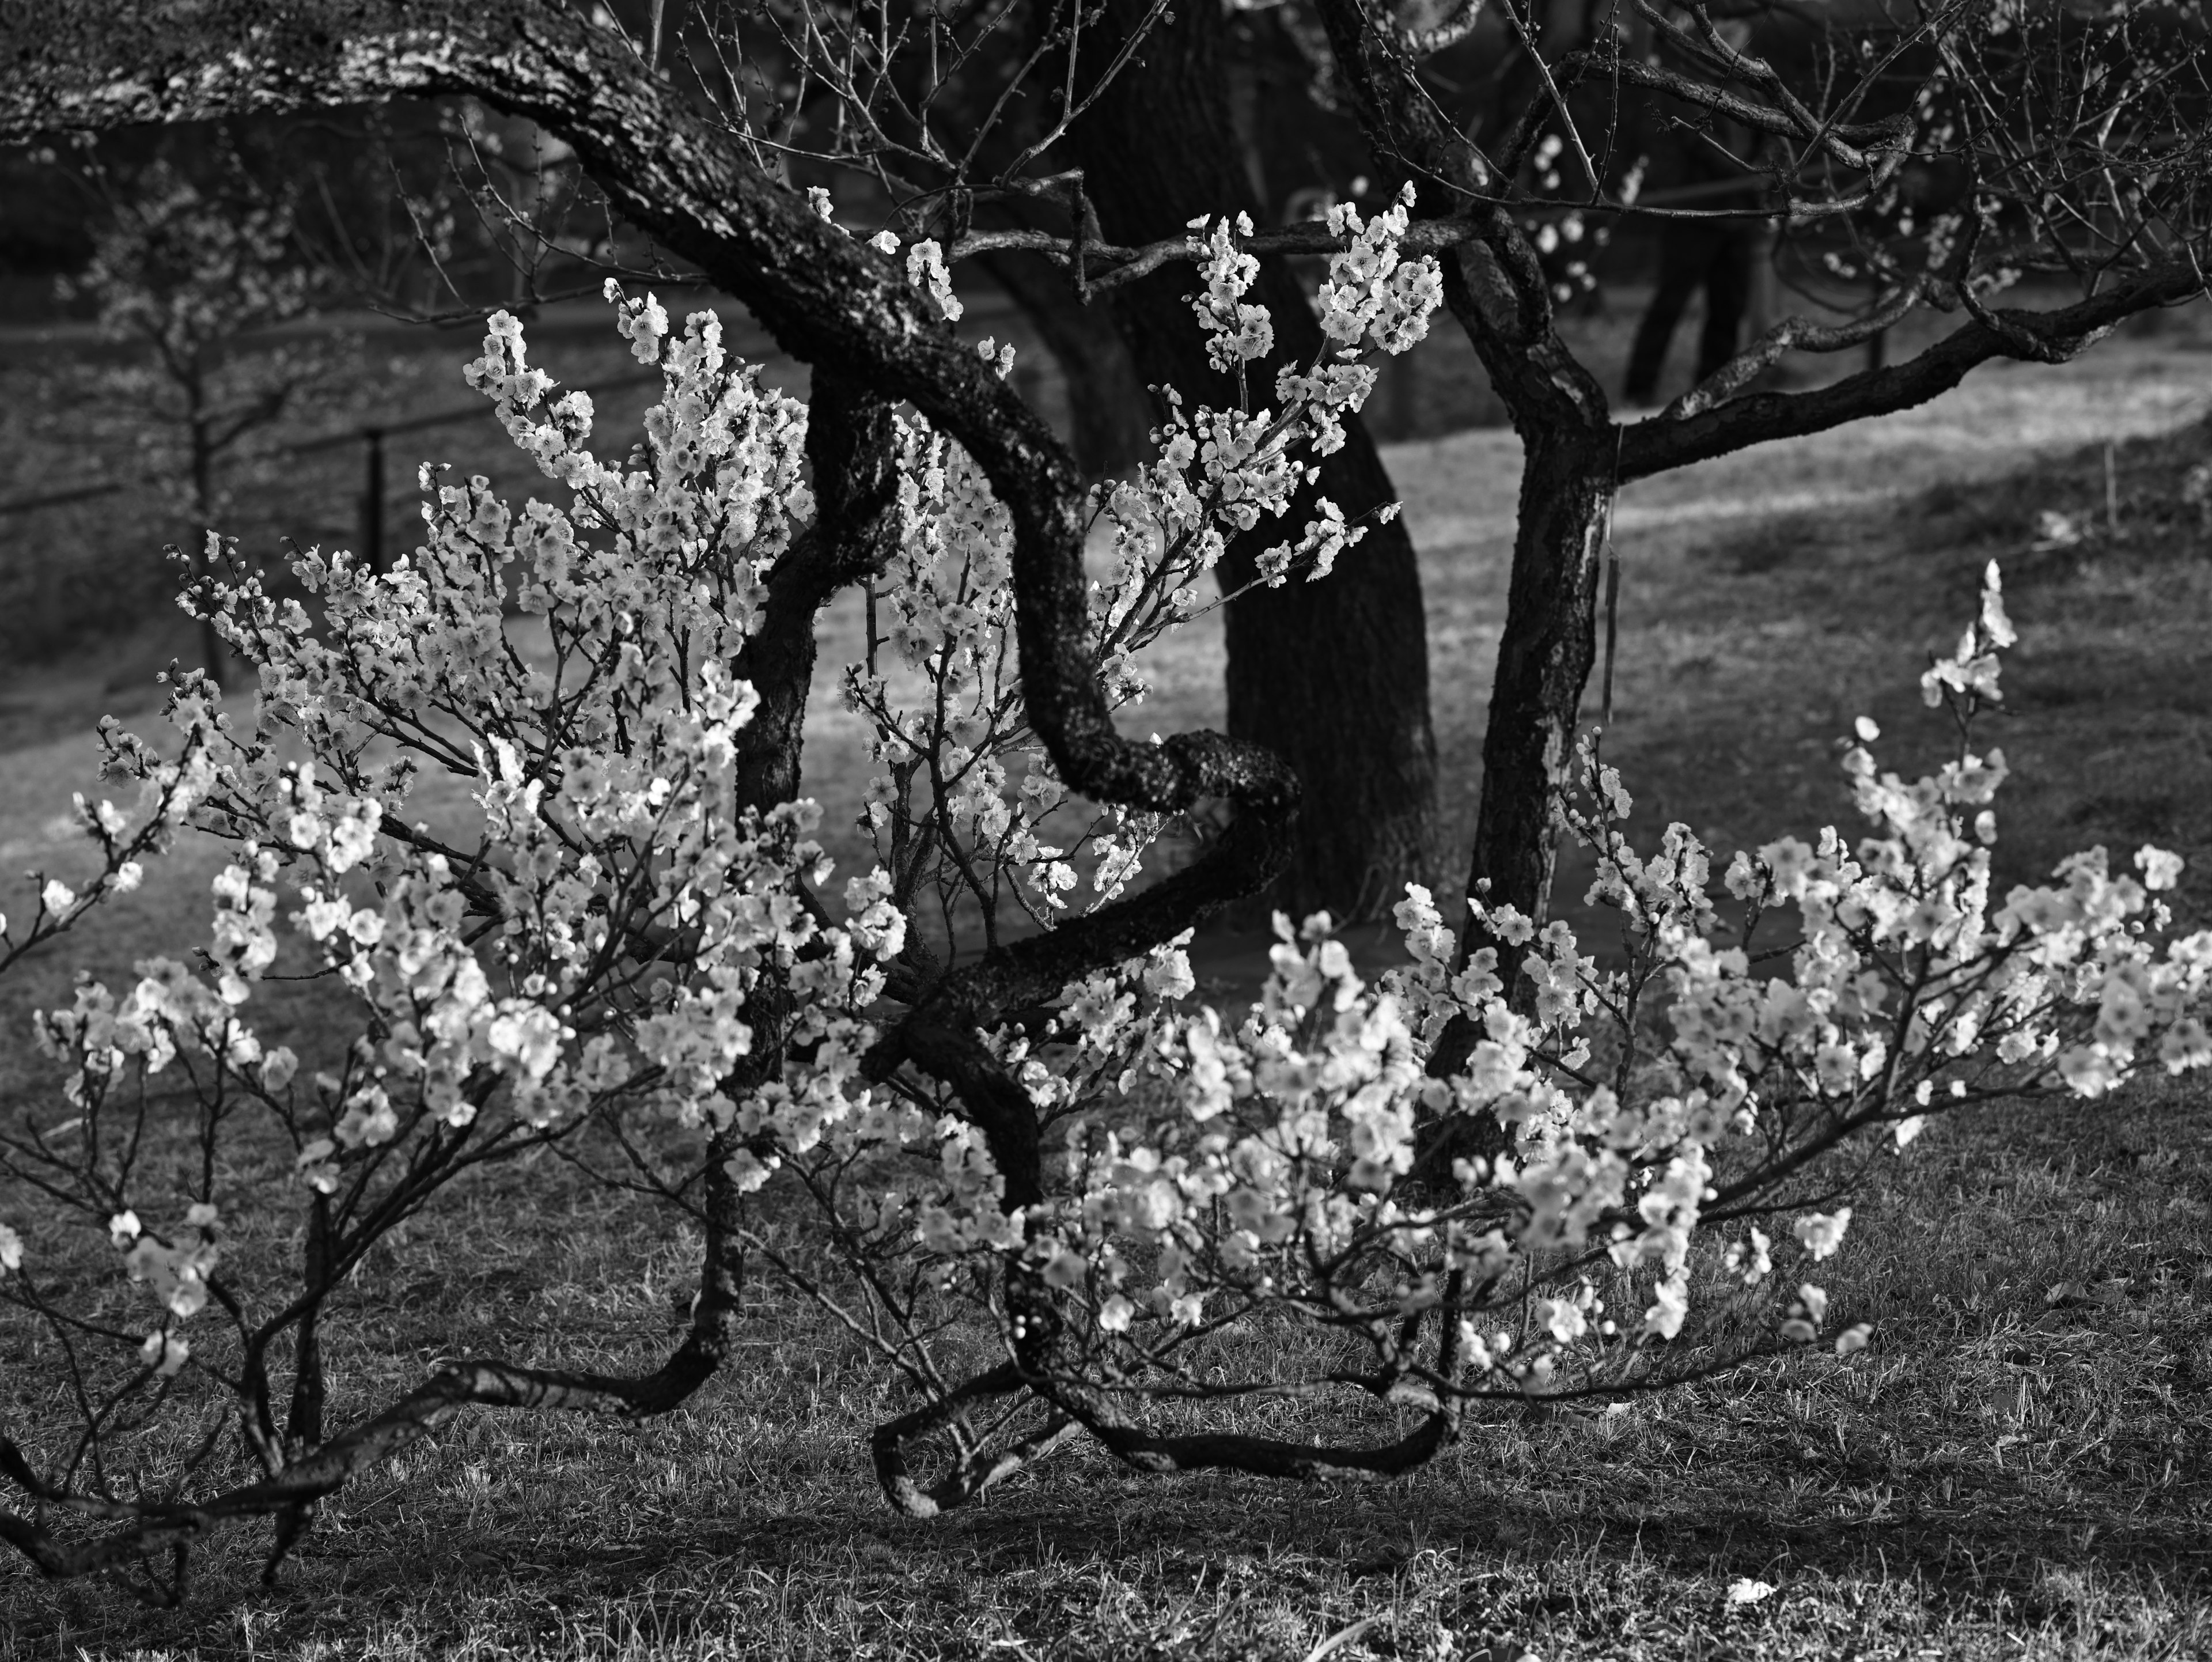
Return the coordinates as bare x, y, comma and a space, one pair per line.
1717, 255
1708, 167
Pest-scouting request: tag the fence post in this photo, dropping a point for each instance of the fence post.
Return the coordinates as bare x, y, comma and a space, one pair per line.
372, 501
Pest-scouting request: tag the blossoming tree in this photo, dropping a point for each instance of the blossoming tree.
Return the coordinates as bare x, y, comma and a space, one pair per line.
561, 870
1946, 158
183, 276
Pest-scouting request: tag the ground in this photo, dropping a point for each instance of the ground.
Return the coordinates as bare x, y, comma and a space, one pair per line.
2020, 1466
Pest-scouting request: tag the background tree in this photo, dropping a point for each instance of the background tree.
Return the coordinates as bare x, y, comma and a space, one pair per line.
194, 282
2067, 160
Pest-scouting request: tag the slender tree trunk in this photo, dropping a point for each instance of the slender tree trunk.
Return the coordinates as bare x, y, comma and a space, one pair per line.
1333, 676
1544, 660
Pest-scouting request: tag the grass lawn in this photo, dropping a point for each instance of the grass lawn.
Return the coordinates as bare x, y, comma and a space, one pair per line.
2020, 1466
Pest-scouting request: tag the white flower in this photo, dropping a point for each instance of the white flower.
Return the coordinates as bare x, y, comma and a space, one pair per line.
277, 1069
924, 269
1670, 1305
2160, 868
165, 1353
1168, 975
1820, 1233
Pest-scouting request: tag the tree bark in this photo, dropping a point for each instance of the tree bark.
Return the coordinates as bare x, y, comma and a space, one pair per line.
1333, 676
1544, 659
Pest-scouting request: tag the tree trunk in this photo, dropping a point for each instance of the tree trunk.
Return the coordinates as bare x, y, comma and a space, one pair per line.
1544, 660
1109, 411
1333, 676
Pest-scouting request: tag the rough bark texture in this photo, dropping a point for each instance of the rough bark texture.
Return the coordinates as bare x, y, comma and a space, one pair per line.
1543, 662
1333, 676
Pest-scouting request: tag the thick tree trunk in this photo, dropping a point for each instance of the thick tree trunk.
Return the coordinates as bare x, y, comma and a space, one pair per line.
1109, 412
1333, 676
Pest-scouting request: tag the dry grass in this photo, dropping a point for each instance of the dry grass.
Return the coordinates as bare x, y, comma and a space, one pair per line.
2017, 1467
2001, 1474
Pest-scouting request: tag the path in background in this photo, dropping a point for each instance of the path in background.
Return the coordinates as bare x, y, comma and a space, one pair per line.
1749, 634
84, 579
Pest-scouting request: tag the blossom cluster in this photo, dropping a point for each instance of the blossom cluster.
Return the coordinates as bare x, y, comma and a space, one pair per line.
1649, 1116
964, 808
503, 799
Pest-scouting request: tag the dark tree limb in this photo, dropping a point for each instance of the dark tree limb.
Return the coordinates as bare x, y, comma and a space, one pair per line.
1045, 1349
975, 1472
1332, 677
149, 1527
1665, 442
853, 457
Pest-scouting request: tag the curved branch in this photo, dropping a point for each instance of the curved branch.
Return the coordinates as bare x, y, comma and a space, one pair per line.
152, 1526
1663, 441
854, 458
1795, 333
1044, 1335
975, 1472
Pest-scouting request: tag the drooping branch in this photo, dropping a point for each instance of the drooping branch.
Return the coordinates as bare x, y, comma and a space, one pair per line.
1045, 1346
